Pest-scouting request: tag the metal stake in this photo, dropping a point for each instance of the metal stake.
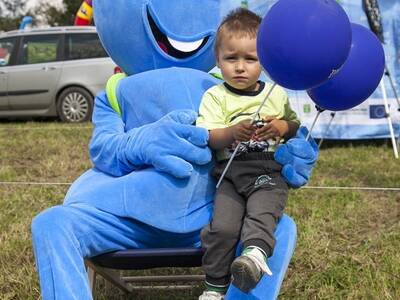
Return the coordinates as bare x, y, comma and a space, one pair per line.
389, 119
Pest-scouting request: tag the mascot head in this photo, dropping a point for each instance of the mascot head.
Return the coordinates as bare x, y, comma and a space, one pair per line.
142, 35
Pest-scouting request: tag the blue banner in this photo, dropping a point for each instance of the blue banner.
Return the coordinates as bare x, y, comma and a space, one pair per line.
368, 120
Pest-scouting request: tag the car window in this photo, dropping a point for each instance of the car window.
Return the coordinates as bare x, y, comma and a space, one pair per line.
39, 49
83, 45
6, 49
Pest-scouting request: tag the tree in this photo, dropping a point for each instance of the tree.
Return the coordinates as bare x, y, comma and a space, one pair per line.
11, 12
55, 16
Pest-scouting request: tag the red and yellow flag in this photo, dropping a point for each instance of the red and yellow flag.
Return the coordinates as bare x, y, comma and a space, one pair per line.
85, 13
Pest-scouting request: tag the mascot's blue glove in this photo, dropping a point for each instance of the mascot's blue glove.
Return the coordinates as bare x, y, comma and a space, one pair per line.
298, 157
171, 144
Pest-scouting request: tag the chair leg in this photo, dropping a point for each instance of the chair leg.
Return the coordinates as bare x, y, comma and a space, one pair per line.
110, 275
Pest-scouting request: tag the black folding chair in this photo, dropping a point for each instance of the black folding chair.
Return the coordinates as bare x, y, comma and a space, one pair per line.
141, 259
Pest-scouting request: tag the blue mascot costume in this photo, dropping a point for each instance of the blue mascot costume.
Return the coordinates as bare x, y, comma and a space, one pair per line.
150, 185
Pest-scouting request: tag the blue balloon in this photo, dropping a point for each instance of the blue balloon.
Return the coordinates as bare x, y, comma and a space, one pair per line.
359, 76
301, 43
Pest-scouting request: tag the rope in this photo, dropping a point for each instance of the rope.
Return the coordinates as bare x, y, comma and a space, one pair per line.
45, 128
33, 183
362, 188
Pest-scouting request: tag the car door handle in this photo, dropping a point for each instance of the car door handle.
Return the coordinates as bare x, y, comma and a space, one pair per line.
2, 72
46, 68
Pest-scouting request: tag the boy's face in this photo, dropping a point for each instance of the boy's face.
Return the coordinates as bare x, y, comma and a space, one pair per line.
237, 58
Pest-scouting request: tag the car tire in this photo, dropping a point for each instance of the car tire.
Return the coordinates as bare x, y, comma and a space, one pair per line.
75, 105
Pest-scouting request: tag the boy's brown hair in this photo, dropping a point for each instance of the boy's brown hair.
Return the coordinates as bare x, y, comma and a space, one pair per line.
240, 22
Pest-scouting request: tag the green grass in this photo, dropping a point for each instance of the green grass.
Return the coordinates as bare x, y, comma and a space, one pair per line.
348, 241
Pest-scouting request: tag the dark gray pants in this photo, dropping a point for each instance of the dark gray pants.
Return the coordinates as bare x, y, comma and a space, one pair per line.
247, 206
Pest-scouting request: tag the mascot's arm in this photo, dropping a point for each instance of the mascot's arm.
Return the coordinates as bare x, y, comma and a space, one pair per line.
170, 144
109, 139
298, 157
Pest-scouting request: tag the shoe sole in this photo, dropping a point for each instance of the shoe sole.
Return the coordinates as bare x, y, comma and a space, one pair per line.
245, 274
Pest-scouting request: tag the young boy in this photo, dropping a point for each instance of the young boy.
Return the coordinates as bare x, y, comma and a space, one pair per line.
253, 194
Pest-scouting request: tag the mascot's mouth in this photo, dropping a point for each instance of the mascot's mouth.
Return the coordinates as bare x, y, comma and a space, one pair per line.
173, 47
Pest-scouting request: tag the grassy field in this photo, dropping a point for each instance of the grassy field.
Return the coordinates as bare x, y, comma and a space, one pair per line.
348, 240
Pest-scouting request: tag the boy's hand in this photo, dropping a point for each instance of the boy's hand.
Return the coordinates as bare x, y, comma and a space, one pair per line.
243, 131
273, 129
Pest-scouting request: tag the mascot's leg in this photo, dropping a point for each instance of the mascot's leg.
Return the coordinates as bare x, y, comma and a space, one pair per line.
64, 235
269, 286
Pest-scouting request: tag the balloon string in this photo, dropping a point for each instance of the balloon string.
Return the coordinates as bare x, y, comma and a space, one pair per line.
227, 166
238, 145
313, 124
262, 104
327, 129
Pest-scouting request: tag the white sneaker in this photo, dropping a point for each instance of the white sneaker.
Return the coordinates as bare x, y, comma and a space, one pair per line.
248, 269
211, 295
259, 259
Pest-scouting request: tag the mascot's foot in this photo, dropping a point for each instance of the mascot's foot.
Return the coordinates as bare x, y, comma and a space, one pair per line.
248, 269
211, 295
